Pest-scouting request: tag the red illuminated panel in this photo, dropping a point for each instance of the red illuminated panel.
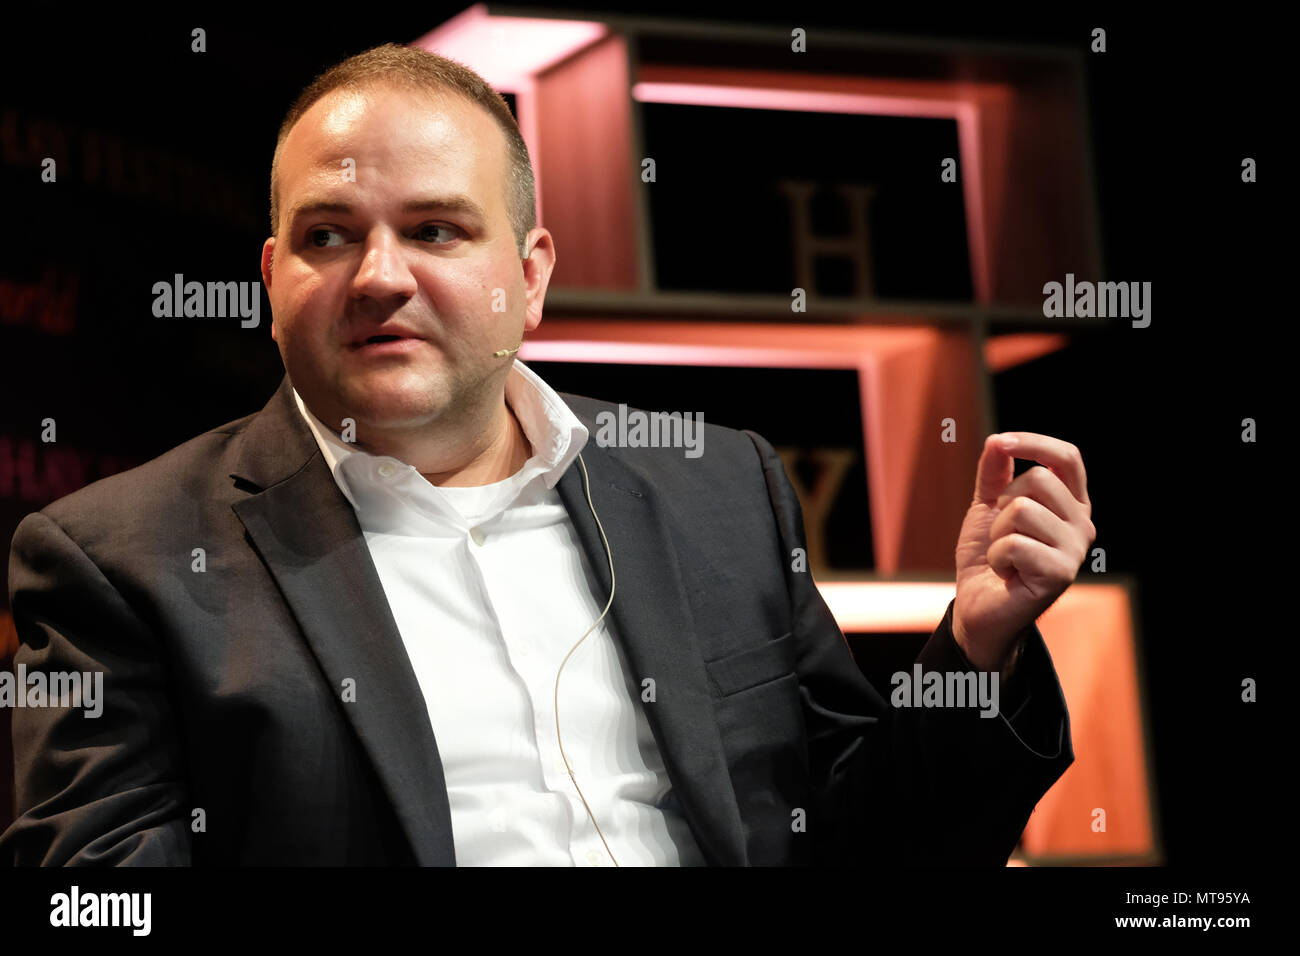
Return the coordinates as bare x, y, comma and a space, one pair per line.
804, 94
1005, 134
8, 636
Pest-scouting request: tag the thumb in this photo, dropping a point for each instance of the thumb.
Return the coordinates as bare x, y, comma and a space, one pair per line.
995, 471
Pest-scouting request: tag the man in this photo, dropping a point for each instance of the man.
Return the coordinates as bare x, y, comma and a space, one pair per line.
408, 613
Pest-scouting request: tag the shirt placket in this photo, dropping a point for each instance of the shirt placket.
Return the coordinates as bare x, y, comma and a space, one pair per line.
529, 656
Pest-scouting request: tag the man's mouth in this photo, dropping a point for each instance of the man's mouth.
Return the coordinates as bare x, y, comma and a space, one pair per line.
385, 344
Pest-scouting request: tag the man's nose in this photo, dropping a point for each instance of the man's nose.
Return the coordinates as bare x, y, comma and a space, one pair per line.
384, 270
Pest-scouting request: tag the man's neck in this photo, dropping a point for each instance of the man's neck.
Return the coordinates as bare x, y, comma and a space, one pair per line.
458, 460
502, 458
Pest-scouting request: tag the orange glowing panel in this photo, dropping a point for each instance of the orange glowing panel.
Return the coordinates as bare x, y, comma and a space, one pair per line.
1089, 632
1090, 635
866, 606
765, 345
1002, 352
509, 51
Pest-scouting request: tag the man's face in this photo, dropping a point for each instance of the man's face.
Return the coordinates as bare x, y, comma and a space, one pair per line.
371, 257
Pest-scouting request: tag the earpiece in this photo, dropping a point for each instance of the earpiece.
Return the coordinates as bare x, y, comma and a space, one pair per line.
586, 482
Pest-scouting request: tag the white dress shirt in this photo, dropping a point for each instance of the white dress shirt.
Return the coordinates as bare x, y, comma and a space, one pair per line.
490, 588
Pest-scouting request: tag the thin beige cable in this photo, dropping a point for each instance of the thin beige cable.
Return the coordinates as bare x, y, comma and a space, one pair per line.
586, 482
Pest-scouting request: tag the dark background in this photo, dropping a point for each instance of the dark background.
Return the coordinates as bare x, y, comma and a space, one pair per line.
1198, 517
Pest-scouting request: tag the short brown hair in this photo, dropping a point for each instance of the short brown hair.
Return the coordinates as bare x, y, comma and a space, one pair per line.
409, 68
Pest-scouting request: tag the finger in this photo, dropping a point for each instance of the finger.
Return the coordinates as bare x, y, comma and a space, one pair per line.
1025, 515
1046, 488
1064, 459
994, 472
1039, 565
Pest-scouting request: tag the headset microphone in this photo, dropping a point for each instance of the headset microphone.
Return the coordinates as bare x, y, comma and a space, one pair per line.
502, 353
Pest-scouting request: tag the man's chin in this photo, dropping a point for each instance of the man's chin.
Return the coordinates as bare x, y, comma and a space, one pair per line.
382, 405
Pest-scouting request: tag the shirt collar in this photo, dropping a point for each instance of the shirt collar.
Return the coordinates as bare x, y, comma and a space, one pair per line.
555, 433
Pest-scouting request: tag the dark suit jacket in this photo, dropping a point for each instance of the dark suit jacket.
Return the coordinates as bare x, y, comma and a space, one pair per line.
223, 689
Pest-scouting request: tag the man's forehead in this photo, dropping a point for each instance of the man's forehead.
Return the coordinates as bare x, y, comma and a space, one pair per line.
355, 116
416, 134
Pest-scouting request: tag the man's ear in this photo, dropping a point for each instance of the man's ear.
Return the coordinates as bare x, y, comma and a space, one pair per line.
538, 263
268, 257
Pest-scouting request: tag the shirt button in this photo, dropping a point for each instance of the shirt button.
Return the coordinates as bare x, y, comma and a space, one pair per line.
477, 535
595, 858
524, 649
387, 469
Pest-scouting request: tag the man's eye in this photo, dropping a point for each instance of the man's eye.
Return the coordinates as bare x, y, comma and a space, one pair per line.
311, 237
314, 236
423, 230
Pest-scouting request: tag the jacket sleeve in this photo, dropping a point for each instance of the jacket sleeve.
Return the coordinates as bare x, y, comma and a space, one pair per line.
90, 790
914, 785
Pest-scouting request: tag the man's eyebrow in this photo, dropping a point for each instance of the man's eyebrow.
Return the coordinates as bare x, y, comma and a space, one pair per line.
456, 203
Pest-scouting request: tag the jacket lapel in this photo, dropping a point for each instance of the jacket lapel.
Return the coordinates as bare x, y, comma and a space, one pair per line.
308, 536
658, 636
